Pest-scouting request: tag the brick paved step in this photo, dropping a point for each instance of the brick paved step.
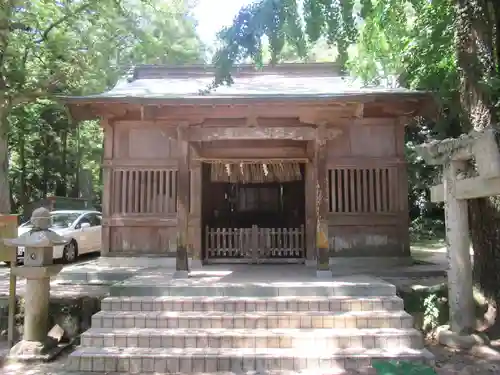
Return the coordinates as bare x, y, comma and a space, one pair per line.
241, 304
252, 338
188, 360
265, 320
187, 287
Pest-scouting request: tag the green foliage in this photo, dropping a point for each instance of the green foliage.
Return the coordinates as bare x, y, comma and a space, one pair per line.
280, 22
402, 368
74, 47
429, 305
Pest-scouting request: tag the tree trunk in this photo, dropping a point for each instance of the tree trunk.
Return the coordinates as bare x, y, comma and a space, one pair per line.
5, 206
476, 54
23, 197
62, 183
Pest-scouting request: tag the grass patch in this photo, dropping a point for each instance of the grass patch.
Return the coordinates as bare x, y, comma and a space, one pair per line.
428, 244
424, 248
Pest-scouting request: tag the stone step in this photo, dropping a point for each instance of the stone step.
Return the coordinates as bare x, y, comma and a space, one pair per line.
189, 288
189, 360
254, 338
265, 320
241, 304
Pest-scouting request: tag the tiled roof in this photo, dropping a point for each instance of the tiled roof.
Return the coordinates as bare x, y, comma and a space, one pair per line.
290, 81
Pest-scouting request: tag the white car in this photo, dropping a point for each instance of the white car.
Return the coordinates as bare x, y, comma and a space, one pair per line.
82, 227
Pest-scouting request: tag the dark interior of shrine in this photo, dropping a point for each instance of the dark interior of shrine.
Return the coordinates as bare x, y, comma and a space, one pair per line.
241, 205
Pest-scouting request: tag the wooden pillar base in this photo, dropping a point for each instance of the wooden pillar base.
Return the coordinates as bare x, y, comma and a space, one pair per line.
181, 261
323, 247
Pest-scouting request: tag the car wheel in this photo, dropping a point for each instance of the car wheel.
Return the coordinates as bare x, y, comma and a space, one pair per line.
70, 252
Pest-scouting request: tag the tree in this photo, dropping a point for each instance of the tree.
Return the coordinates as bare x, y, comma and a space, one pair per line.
478, 53
78, 47
449, 46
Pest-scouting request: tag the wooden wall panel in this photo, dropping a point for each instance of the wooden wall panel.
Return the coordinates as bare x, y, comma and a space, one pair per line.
121, 143
151, 143
368, 240
340, 146
373, 140
143, 240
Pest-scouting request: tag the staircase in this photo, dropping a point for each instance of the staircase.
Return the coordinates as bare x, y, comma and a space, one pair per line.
235, 327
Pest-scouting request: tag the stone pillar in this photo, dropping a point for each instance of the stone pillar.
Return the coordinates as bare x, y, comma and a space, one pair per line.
462, 315
37, 297
323, 256
38, 268
183, 196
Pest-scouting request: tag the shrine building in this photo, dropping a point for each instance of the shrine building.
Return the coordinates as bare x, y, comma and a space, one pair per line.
256, 172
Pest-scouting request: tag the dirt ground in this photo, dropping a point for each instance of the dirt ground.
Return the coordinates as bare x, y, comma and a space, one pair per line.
484, 361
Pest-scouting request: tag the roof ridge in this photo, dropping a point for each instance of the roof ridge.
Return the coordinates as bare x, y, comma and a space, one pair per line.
204, 70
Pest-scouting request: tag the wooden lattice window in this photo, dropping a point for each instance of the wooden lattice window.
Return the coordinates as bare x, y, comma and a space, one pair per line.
145, 191
362, 190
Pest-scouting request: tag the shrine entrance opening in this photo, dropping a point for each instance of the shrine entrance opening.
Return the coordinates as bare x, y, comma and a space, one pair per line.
253, 211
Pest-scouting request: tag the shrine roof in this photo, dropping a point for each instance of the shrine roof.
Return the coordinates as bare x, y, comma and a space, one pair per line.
287, 81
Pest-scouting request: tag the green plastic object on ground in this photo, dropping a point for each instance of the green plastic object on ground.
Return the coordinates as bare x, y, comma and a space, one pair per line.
402, 368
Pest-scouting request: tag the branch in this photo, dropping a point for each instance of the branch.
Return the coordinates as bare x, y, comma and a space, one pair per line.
61, 20
29, 97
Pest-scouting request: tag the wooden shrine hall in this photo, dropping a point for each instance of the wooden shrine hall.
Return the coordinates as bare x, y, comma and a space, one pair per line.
287, 160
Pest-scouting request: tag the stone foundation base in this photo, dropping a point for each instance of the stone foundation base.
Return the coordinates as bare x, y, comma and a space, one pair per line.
28, 351
324, 274
181, 274
195, 264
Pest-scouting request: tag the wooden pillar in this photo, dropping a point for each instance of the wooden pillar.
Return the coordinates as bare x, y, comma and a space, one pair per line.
404, 223
311, 225
107, 186
195, 214
183, 196
462, 310
320, 157
403, 234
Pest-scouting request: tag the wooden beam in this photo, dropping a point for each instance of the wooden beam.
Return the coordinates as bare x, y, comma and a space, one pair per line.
470, 188
197, 134
286, 152
252, 160
170, 124
437, 193
360, 109
269, 109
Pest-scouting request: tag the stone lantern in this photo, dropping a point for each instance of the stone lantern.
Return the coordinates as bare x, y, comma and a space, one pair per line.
38, 268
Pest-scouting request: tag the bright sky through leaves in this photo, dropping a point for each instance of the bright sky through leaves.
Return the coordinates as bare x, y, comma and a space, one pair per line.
212, 15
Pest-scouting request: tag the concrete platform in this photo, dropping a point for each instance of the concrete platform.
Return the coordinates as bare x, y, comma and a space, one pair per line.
249, 281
